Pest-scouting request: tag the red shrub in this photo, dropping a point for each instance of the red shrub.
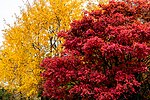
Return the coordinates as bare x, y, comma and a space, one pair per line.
104, 55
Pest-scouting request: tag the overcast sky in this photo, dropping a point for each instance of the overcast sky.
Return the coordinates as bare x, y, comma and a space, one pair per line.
7, 10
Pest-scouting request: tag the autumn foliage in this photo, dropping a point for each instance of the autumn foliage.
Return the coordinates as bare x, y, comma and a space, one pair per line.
104, 55
31, 38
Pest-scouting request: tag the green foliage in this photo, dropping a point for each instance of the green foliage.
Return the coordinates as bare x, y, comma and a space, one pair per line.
4, 94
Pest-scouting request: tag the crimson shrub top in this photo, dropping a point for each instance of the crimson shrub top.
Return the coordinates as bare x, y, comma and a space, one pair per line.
104, 54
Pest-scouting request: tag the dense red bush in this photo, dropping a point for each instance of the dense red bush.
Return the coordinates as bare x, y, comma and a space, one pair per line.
104, 55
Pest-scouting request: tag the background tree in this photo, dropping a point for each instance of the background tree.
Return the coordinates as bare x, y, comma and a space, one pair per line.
93, 4
104, 55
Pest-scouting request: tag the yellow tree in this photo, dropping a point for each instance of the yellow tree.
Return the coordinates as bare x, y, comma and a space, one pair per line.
32, 37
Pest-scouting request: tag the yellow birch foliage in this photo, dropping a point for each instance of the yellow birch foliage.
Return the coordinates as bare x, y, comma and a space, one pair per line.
32, 38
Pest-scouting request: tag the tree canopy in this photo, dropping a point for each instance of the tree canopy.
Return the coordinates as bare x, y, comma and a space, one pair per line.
104, 55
